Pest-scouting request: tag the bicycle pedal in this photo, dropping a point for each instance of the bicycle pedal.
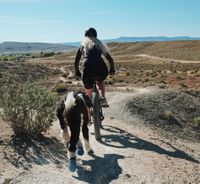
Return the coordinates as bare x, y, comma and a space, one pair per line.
105, 106
102, 118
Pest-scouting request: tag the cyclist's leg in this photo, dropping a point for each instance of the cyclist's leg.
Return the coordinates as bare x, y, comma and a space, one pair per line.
102, 88
88, 84
89, 93
102, 74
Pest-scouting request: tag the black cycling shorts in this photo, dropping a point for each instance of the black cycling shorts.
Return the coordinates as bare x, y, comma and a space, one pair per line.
94, 72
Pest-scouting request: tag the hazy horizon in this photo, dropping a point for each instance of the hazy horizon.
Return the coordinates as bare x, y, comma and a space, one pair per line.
102, 39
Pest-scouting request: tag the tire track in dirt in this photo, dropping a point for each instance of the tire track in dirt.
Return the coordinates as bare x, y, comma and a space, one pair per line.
165, 59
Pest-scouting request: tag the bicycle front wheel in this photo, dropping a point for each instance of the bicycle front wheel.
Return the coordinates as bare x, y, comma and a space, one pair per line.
96, 115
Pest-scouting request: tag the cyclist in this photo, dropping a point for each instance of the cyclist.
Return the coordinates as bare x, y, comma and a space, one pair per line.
94, 67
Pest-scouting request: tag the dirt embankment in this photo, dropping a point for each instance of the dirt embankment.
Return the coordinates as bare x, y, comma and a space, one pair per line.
172, 111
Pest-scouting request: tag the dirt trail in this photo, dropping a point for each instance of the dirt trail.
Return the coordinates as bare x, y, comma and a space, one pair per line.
165, 59
128, 153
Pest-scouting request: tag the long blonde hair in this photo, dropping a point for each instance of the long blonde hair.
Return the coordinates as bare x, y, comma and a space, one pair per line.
89, 42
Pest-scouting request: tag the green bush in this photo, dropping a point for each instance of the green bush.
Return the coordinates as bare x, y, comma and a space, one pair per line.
28, 108
197, 121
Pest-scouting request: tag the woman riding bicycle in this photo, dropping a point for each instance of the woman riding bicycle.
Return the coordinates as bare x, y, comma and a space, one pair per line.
94, 68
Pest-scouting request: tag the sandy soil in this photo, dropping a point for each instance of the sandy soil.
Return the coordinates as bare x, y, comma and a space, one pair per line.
129, 152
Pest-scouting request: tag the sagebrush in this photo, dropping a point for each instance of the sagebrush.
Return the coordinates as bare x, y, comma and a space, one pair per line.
29, 108
197, 121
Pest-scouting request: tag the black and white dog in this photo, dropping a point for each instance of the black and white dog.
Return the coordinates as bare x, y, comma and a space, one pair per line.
71, 112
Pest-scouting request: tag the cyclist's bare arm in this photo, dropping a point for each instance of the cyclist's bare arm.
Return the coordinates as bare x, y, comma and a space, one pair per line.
76, 64
110, 60
77, 59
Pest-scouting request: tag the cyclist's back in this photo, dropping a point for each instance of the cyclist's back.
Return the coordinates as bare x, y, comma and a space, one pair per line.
94, 66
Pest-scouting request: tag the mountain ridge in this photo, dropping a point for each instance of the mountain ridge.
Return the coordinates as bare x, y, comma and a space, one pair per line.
8, 47
12, 47
141, 39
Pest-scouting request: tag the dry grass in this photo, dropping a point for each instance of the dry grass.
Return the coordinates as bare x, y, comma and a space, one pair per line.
141, 74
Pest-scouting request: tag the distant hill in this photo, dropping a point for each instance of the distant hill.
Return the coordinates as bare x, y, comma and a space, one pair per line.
180, 50
141, 39
151, 39
27, 47
74, 44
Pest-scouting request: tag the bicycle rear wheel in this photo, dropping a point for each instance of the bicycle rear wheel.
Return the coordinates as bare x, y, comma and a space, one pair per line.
96, 115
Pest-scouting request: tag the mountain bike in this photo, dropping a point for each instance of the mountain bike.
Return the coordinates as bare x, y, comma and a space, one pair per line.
97, 114
97, 111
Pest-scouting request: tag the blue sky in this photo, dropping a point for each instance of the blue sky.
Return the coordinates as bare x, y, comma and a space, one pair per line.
65, 20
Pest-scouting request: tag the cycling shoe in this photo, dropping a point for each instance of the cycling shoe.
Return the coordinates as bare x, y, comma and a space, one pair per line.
80, 151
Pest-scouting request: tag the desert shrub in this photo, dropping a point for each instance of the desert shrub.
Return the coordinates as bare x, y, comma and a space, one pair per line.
28, 108
121, 80
46, 54
153, 74
60, 87
167, 115
197, 121
184, 85
110, 81
162, 81
180, 77
64, 75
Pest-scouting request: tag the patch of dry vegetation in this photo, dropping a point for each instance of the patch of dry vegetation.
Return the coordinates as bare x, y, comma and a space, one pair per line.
23, 72
147, 74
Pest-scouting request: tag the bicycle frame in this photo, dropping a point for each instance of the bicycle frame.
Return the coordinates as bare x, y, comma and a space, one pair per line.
97, 112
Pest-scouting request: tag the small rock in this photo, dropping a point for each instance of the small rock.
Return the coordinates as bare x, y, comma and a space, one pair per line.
7, 180
127, 175
1, 141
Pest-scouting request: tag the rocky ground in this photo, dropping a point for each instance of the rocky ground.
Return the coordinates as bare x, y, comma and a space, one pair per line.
129, 152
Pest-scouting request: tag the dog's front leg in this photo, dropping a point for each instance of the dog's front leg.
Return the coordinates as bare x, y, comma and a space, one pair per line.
65, 136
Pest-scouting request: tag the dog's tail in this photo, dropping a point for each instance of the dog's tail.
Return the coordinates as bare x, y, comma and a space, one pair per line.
70, 101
